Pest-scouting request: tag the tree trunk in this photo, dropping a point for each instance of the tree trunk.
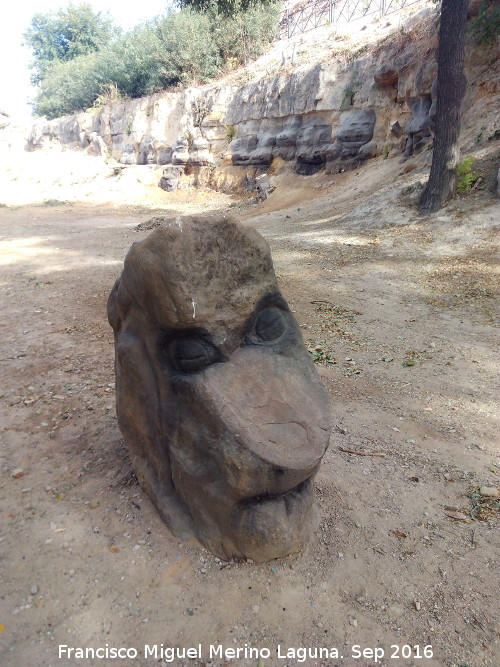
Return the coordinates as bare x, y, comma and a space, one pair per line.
451, 85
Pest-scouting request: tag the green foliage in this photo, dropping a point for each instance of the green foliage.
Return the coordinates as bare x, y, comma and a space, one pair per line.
188, 52
230, 133
183, 47
244, 36
108, 95
466, 176
132, 63
227, 8
485, 27
350, 91
320, 354
68, 86
128, 67
66, 34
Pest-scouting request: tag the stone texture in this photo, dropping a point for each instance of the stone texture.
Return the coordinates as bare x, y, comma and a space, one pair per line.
128, 155
418, 129
146, 153
217, 397
355, 132
180, 152
286, 140
313, 139
165, 155
386, 75
200, 155
170, 178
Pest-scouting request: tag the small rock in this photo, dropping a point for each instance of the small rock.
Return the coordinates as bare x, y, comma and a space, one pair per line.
34, 590
71, 572
489, 491
17, 473
354, 622
255, 608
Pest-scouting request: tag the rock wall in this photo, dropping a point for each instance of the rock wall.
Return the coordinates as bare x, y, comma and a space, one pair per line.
332, 115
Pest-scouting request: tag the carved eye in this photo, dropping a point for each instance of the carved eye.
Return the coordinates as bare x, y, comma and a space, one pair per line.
270, 324
193, 354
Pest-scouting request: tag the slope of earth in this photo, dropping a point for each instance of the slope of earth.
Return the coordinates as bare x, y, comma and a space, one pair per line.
401, 314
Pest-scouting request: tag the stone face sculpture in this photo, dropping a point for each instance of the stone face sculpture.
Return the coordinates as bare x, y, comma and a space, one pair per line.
419, 127
217, 397
354, 143
312, 143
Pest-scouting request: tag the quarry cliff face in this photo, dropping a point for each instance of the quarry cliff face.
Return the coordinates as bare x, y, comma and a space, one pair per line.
334, 112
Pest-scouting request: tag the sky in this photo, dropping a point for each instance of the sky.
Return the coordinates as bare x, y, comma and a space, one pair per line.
15, 89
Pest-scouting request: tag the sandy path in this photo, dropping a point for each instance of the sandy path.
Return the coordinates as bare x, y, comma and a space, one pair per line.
87, 562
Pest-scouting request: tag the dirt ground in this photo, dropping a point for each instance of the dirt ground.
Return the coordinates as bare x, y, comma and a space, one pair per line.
402, 315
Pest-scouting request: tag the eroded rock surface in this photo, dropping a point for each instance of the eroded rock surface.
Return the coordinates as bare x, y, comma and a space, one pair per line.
419, 128
225, 416
353, 144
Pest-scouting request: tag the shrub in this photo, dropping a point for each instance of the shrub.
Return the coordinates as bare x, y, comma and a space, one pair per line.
187, 53
68, 86
466, 176
126, 68
244, 35
181, 47
485, 27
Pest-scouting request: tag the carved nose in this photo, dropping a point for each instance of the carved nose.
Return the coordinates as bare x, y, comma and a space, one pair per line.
274, 405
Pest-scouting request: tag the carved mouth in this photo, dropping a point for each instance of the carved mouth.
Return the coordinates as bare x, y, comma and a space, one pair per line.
271, 525
289, 497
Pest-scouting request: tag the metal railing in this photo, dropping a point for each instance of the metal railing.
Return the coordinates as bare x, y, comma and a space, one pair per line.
311, 15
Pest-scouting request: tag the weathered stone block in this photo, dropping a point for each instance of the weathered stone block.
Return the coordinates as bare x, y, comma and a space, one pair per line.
164, 156
170, 178
180, 152
226, 418
128, 155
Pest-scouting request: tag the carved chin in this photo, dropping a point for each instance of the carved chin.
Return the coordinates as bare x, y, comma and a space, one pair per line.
267, 527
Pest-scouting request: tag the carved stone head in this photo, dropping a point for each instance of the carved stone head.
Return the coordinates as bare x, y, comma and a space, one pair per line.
217, 397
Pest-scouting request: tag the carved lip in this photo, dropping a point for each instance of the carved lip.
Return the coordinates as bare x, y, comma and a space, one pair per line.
294, 494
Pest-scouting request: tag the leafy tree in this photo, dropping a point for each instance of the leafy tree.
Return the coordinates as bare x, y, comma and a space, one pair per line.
129, 65
244, 36
133, 63
188, 52
66, 34
222, 7
182, 47
451, 86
